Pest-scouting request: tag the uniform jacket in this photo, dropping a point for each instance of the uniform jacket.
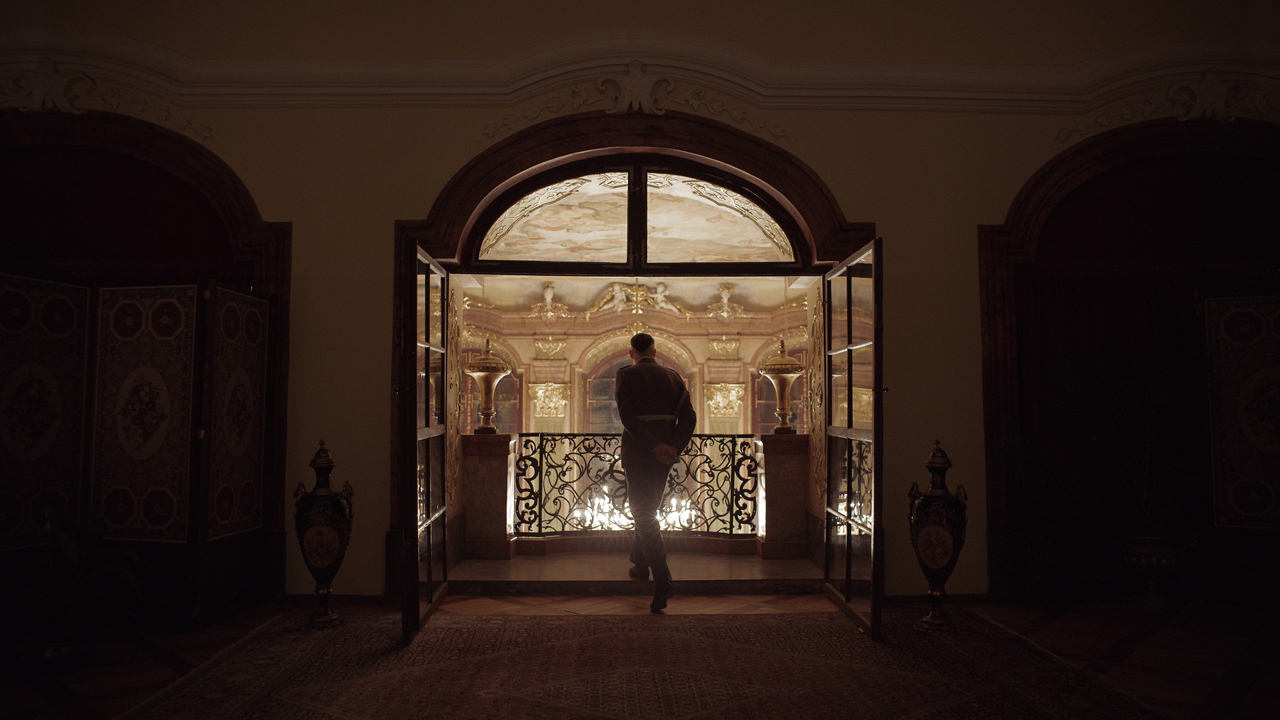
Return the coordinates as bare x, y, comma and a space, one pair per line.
647, 388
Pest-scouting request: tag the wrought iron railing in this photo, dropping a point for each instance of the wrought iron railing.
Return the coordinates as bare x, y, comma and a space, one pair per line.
573, 483
851, 497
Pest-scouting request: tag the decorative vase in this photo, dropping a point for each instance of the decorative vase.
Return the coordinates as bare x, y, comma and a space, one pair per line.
487, 370
322, 519
938, 521
782, 370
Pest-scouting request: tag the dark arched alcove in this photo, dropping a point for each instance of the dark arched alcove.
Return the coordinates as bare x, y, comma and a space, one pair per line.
1096, 362
101, 200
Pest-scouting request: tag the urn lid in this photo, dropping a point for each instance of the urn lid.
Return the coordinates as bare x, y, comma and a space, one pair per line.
322, 458
782, 363
938, 458
487, 363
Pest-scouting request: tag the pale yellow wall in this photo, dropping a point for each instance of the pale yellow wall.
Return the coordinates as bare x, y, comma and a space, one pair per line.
927, 178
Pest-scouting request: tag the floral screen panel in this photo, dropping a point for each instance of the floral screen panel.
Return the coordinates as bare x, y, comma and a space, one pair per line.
697, 221
43, 338
142, 430
236, 402
581, 219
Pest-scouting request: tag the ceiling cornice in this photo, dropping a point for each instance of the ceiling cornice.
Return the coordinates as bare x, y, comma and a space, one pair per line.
199, 83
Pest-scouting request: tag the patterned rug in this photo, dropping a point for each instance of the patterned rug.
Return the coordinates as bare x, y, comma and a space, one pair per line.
790, 666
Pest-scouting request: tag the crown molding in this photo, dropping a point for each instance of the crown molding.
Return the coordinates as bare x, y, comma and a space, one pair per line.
207, 83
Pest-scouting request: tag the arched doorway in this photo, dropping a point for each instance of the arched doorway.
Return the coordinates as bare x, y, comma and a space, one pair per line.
1097, 296
95, 203
624, 164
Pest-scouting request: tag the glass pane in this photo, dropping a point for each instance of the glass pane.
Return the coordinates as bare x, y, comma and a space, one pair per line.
435, 305
697, 221
421, 336
862, 373
839, 389
582, 219
839, 289
837, 472
435, 388
436, 498
423, 471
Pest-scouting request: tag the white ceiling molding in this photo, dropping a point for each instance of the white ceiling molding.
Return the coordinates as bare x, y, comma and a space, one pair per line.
198, 83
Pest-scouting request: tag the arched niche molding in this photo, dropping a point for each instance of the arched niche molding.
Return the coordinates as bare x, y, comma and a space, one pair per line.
616, 344
1016, 242
669, 346
264, 247
457, 221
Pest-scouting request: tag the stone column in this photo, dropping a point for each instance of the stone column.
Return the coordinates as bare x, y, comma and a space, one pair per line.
488, 469
786, 491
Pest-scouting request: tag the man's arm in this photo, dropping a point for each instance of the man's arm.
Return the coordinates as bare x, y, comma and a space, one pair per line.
687, 420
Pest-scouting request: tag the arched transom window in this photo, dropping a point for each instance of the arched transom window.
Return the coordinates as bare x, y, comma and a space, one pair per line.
636, 216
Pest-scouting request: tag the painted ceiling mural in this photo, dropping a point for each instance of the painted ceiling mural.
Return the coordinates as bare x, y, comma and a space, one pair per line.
578, 220
696, 221
584, 219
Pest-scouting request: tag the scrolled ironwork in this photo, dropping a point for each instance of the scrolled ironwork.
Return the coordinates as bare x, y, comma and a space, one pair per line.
853, 508
575, 482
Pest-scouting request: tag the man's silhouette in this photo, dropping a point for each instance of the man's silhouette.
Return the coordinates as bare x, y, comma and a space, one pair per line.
658, 420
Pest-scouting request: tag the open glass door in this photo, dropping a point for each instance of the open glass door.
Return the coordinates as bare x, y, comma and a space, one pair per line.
854, 557
419, 515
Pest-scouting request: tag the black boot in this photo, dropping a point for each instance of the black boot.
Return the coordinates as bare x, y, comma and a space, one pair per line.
663, 589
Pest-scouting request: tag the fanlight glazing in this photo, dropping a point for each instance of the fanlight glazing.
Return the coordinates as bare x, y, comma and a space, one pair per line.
581, 219
697, 221
584, 219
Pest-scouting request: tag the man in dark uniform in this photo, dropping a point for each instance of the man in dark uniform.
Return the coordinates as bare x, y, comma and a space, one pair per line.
657, 420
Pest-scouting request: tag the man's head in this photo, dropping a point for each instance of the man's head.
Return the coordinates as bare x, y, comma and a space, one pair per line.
642, 345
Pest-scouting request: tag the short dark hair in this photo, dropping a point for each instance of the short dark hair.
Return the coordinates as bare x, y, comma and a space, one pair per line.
641, 343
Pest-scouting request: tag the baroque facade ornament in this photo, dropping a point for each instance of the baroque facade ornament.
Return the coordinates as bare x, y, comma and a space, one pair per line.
549, 399
636, 297
548, 349
724, 348
724, 399
725, 311
548, 309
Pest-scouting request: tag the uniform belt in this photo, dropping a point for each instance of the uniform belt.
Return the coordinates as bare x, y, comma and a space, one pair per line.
668, 418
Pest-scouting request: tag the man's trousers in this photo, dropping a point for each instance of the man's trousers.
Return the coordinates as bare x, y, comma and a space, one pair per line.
646, 480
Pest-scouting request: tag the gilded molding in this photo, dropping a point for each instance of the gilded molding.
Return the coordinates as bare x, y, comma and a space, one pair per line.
724, 400
724, 348
549, 399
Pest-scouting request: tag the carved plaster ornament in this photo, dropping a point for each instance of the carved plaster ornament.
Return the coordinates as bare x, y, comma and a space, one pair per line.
724, 348
48, 86
636, 90
636, 297
548, 309
549, 348
1212, 97
725, 311
549, 399
724, 399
